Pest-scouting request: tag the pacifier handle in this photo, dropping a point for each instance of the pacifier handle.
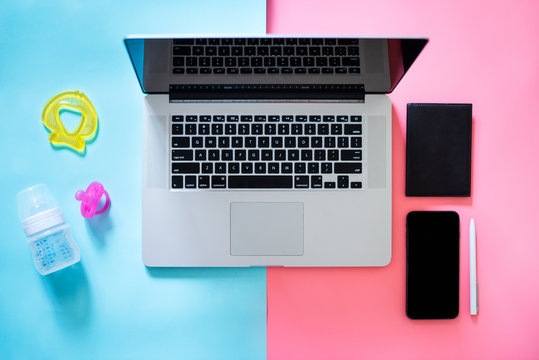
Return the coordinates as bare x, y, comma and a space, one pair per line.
107, 203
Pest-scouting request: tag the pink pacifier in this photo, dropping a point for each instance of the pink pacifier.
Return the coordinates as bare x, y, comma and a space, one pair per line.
90, 198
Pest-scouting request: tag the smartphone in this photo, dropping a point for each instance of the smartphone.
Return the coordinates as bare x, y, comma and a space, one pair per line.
432, 264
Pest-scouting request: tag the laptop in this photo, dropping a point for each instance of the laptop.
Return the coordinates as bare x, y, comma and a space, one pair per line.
268, 150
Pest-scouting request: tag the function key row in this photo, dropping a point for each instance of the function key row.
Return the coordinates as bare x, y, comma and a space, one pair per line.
266, 41
268, 118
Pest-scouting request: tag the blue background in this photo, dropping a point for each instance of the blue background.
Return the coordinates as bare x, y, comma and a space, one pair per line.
109, 306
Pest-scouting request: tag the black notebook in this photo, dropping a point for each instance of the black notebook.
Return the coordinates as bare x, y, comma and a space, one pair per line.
438, 149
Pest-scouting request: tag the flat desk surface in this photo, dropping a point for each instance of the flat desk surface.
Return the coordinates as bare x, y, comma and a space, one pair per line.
110, 306
480, 52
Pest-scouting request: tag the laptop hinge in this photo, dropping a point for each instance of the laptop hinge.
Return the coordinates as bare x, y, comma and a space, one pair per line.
267, 92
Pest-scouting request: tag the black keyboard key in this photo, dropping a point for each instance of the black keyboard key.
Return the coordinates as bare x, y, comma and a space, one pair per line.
267, 155
203, 182
355, 118
180, 141
314, 71
177, 182
219, 70
353, 50
246, 168
192, 71
219, 118
240, 41
273, 168
313, 168
207, 168
348, 168
355, 142
300, 167
286, 71
276, 142
203, 129
186, 168
237, 142
330, 41
354, 70
224, 141
263, 71
246, 118
269, 61
316, 141
211, 51
348, 41
218, 182
227, 155
190, 182
260, 168
327, 71
334, 61
342, 142
327, 51
340, 50
270, 129
200, 155
303, 142
347, 155
237, 51
230, 62
184, 41
306, 155
182, 50
240, 155
315, 118
220, 168
301, 182
289, 142
205, 70
243, 62
257, 129
297, 129
295, 61
326, 168
340, 70
355, 185
329, 118
280, 155
260, 118
308, 61
329, 185
262, 51
320, 155
288, 118
243, 129
204, 61
217, 129
232, 118
211, 142
274, 118
314, 51
178, 61
197, 142
300, 51
310, 129
256, 61
288, 51
300, 70
224, 51
259, 182
350, 61
191, 62
177, 129
253, 155
329, 142
282, 61
232, 71
323, 129
316, 182
293, 155
213, 155
250, 142
198, 50
179, 155
252, 41
322, 61
342, 181
275, 51
190, 129
177, 118
226, 41
246, 70
336, 129
291, 41
342, 118
286, 168
233, 168
352, 129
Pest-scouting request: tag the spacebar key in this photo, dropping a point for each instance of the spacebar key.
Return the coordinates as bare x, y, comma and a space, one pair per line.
260, 182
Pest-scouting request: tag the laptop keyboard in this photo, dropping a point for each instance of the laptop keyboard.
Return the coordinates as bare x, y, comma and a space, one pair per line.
266, 151
260, 56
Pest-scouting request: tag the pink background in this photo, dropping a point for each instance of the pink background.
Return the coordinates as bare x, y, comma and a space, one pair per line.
480, 52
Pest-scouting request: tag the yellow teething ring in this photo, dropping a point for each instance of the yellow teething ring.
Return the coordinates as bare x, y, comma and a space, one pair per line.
74, 101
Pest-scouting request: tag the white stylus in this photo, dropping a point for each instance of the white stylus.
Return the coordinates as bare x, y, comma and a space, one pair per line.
474, 306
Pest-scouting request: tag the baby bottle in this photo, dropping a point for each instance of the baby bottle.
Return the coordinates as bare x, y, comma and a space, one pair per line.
48, 235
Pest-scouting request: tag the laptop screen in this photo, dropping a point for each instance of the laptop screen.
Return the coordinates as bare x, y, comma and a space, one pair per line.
267, 65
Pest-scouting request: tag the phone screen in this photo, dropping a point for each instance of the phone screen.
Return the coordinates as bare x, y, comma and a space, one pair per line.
432, 265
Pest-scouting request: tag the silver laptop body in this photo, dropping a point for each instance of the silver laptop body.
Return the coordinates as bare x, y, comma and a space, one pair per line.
204, 205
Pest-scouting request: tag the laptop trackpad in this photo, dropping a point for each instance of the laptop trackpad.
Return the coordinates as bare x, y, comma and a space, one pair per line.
266, 228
